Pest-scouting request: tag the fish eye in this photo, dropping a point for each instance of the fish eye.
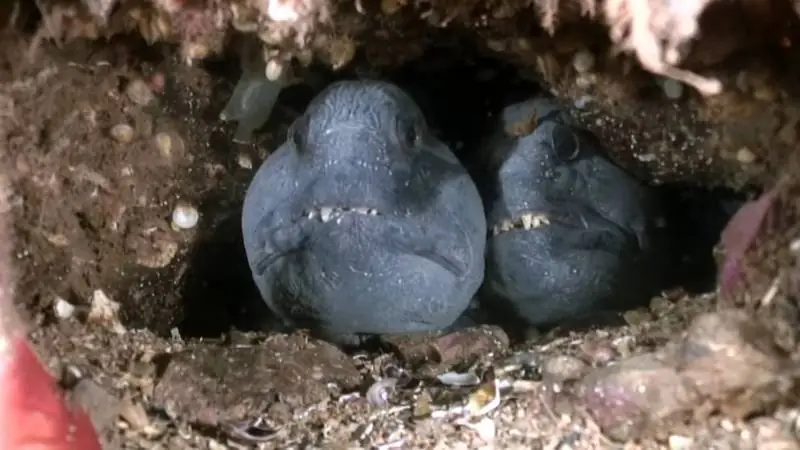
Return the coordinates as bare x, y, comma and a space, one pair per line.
565, 143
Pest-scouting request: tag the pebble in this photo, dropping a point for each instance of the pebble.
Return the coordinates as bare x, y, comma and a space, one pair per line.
274, 70
745, 156
168, 144
184, 216
678, 442
134, 414
600, 353
105, 311
63, 308
122, 132
244, 161
780, 443
583, 101
158, 255
563, 368
767, 427
139, 92
646, 157
583, 61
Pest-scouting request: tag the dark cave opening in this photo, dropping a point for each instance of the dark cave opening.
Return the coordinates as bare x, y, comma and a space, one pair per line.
457, 95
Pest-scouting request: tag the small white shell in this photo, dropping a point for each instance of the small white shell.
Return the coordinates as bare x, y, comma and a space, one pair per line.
282, 11
459, 379
378, 394
244, 161
583, 61
63, 308
185, 216
274, 70
122, 132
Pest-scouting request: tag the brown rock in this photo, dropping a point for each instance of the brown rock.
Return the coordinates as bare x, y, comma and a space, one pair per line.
102, 406
213, 384
449, 349
726, 361
563, 368
625, 399
731, 359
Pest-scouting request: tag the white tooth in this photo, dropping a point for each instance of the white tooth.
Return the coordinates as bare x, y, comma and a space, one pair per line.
311, 214
361, 210
506, 225
527, 220
540, 220
325, 213
372, 212
495, 230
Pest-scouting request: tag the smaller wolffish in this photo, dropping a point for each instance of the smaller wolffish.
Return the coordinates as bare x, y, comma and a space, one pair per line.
569, 232
363, 222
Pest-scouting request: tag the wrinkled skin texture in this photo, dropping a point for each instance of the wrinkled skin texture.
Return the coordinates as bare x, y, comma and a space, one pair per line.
407, 260
592, 253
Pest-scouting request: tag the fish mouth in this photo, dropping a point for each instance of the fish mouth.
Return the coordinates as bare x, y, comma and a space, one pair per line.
284, 238
398, 233
524, 221
327, 214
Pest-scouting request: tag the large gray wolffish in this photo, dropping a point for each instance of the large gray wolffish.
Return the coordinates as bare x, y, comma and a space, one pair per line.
569, 231
362, 222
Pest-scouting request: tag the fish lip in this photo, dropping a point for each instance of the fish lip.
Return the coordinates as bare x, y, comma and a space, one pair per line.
299, 225
309, 223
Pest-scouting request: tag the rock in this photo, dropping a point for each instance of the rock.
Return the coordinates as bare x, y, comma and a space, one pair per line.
449, 349
563, 368
726, 361
626, 398
102, 406
733, 362
210, 384
139, 92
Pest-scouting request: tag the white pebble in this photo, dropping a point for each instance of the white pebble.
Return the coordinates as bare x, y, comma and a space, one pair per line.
745, 156
583, 61
185, 216
274, 70
282, 11
583, 101
244, 161
105, 311
63, 308
175, 334
646, 157
678, 442
673, 89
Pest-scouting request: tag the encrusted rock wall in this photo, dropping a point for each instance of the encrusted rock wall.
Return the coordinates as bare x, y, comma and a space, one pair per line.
697, 90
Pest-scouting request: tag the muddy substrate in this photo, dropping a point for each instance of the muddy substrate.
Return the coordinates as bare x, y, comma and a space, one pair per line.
103, 145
